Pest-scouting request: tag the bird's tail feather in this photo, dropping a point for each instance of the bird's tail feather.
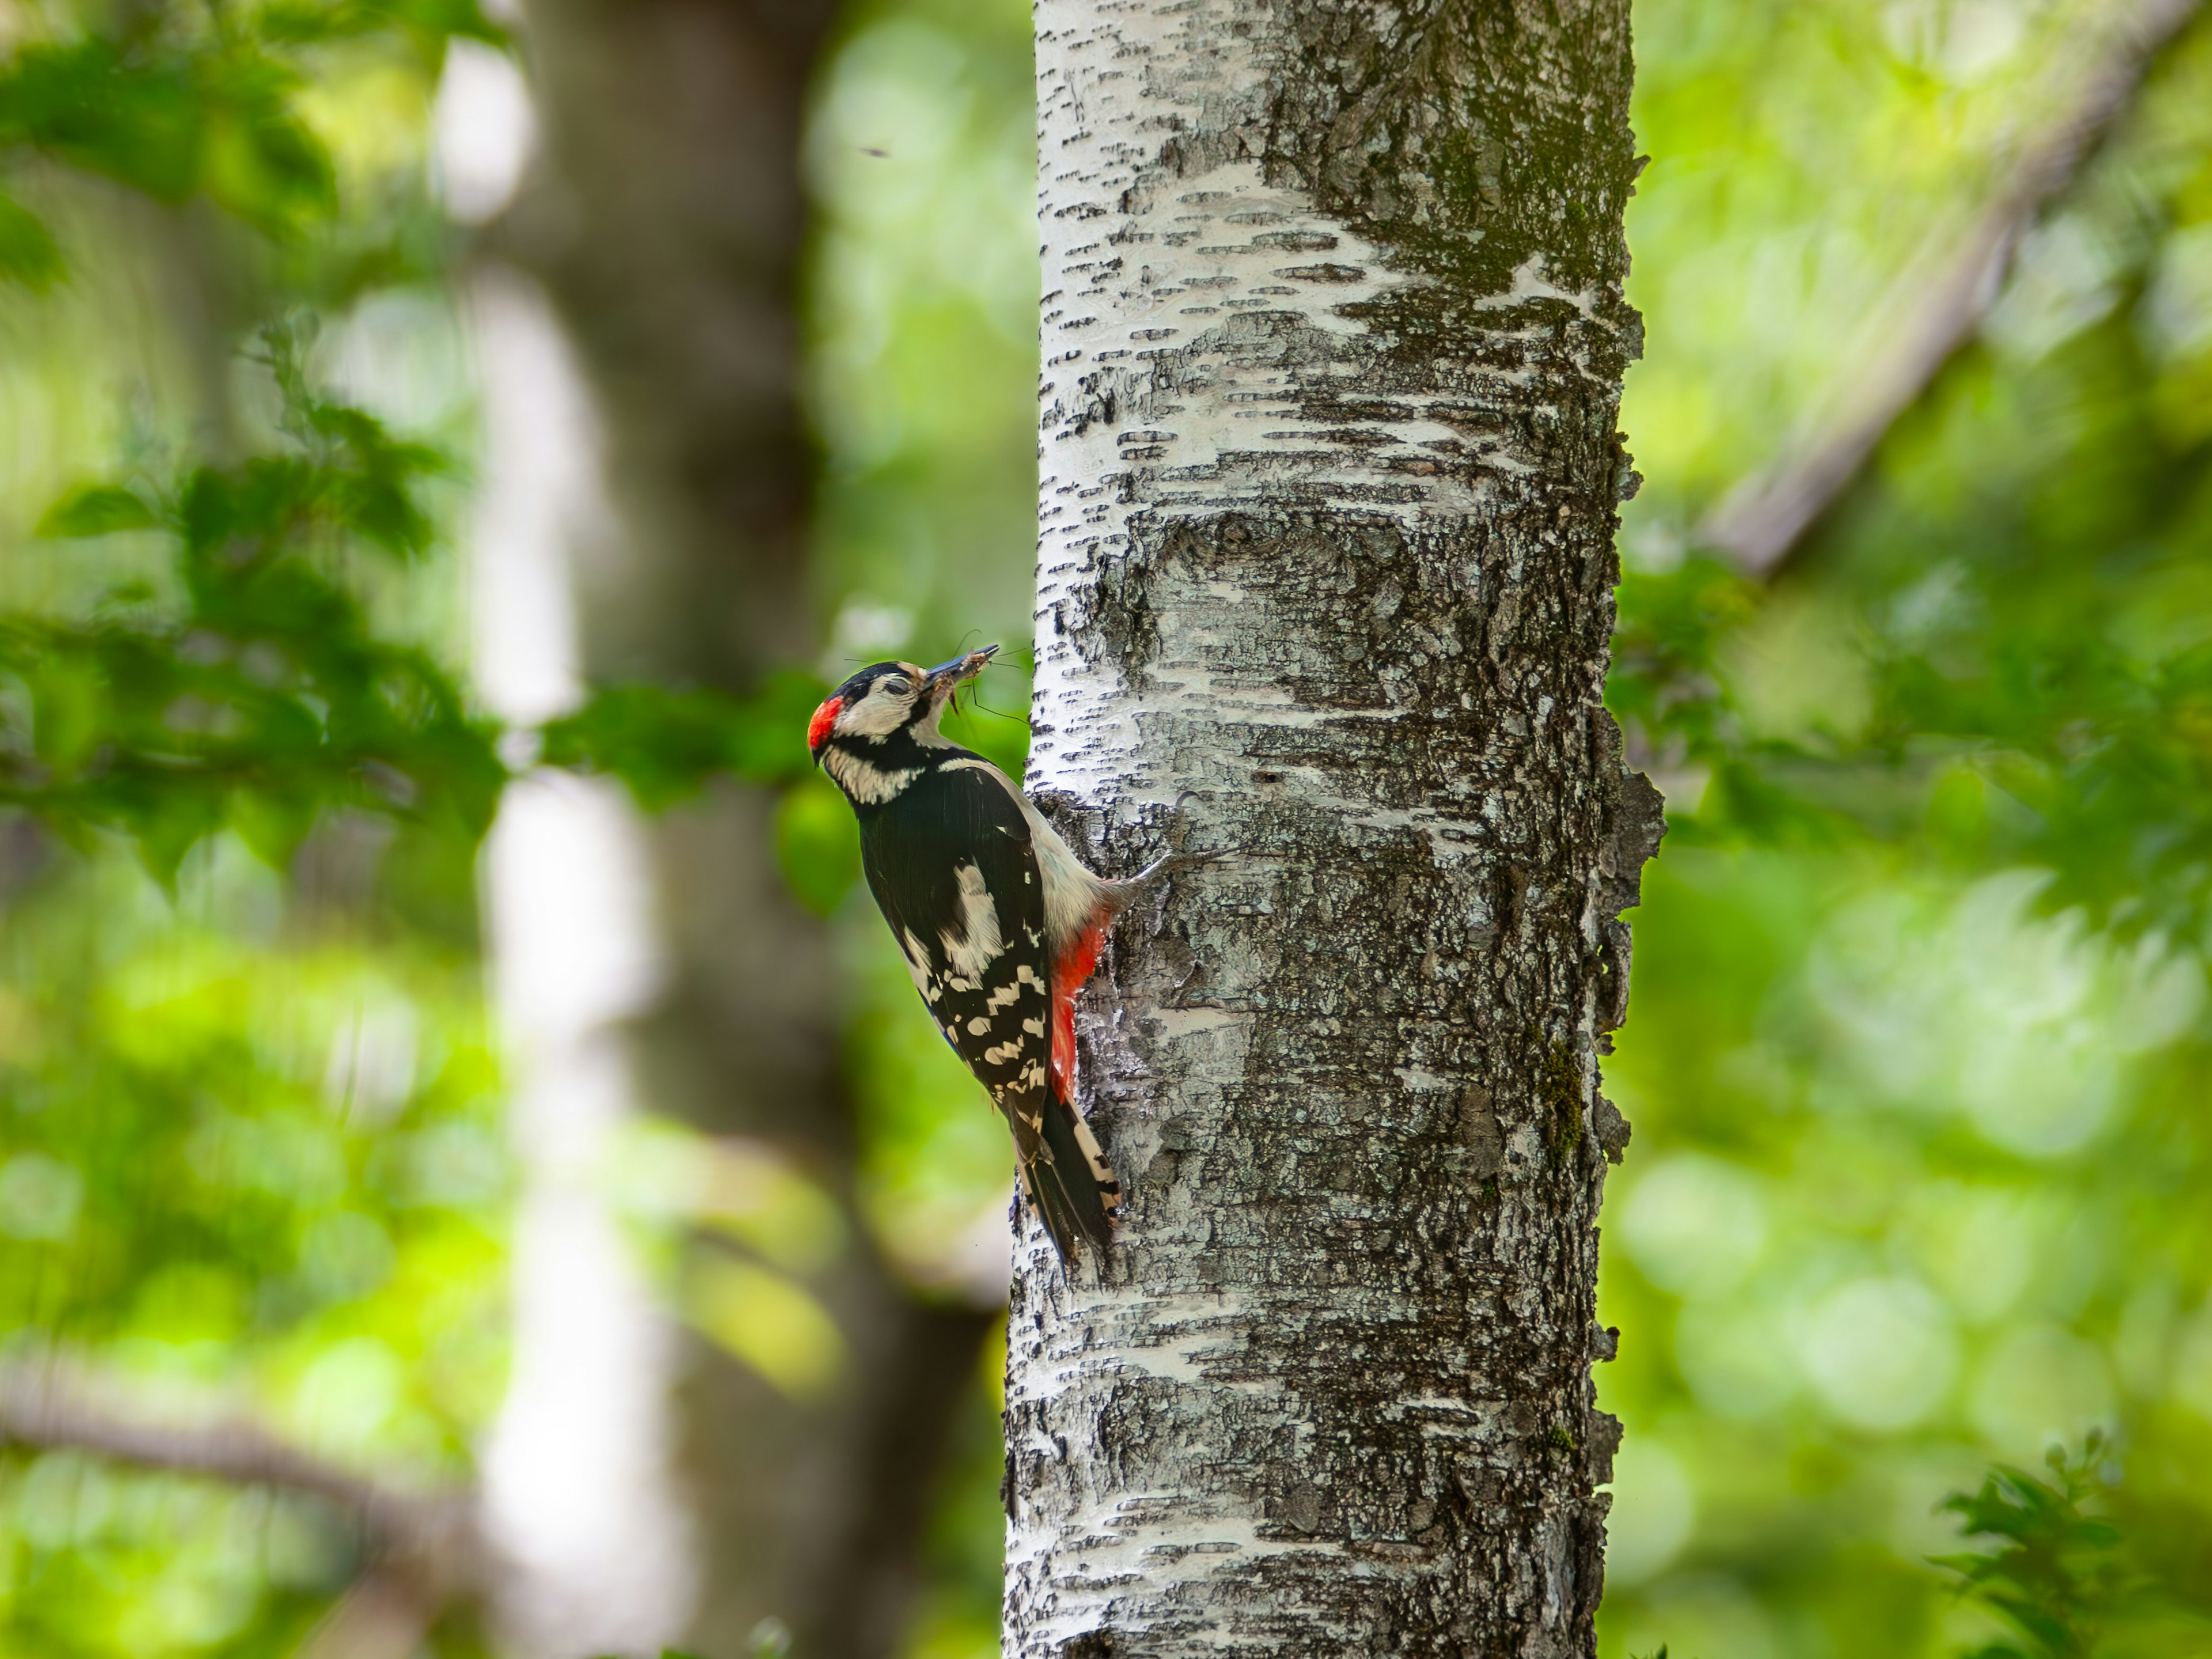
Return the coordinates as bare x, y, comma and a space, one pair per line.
1069, 1181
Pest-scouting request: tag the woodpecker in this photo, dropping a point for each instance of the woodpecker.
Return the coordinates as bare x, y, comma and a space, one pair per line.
999, 923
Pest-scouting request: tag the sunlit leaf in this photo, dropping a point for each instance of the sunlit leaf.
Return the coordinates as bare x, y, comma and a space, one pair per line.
769, 1320
97, 510
817, 843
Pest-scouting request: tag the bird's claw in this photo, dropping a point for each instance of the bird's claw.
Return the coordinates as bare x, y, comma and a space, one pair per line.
1171, 864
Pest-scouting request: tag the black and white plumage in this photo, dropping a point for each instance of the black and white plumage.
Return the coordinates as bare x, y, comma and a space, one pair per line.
999, 922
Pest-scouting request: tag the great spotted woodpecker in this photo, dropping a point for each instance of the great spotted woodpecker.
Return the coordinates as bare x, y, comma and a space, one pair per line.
999, 923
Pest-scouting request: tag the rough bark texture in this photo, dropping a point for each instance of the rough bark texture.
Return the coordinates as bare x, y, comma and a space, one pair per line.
1333, 338
668, 225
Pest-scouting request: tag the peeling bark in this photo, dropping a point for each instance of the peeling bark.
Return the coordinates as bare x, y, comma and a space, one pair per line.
1334, 337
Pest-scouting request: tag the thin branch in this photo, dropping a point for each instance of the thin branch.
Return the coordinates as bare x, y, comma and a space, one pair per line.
1764, 518
423, 1548
54, 1402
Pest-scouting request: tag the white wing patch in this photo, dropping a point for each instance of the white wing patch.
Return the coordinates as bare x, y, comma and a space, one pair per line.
977, 944
917, 966
1071, 894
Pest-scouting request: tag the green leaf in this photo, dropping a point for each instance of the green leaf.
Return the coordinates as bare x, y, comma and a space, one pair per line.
177, 822
28, 254
96, 510
666, 744
818, 844
429, 23
262, 696
2059, 1571
140, 121
260, 162
273, 822
174, 121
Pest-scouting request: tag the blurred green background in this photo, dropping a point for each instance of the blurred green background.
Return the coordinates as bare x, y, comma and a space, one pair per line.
1920, 1046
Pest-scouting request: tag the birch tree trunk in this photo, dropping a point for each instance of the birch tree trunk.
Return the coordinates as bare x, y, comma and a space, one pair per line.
1333, 339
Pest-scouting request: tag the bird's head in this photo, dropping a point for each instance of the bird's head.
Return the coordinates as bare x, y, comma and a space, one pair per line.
886, 698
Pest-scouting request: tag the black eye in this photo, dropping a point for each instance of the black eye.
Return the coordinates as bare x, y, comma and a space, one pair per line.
896, 687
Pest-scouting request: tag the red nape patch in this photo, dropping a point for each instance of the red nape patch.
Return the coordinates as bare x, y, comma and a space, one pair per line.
818, 729
1067, 977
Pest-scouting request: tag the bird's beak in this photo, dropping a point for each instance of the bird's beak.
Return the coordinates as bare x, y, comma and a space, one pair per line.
946, 675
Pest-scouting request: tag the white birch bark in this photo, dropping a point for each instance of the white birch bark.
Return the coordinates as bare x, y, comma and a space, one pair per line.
1333, 342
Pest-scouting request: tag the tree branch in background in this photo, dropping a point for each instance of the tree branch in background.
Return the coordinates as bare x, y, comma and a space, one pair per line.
1763, 520
421, 1547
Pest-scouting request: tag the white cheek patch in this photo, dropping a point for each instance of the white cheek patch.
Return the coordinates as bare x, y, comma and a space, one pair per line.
977, 943
876, 715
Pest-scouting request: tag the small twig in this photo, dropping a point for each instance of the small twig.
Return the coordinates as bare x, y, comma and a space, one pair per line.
1764, 518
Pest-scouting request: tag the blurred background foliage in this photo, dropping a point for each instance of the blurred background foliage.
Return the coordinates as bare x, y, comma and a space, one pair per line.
1917, 1054
251, 1154
1920, 1040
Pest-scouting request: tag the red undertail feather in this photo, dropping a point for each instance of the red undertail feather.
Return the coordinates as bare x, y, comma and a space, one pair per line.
1068, 975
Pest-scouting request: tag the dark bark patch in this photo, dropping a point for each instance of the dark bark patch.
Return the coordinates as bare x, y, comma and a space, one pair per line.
1612, 1131
1559, 1094
1323, 273
1639, 823
1480, 1133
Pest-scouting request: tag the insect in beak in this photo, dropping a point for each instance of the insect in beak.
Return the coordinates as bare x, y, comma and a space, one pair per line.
959, 670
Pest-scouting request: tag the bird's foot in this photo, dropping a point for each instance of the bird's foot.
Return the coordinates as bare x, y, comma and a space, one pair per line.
1129, 890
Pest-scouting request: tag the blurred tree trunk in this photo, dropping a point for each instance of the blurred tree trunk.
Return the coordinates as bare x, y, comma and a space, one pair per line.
668, 226
1333, 339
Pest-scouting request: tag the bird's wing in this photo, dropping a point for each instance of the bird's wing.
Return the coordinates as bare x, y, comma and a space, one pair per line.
954, 870
954, 873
